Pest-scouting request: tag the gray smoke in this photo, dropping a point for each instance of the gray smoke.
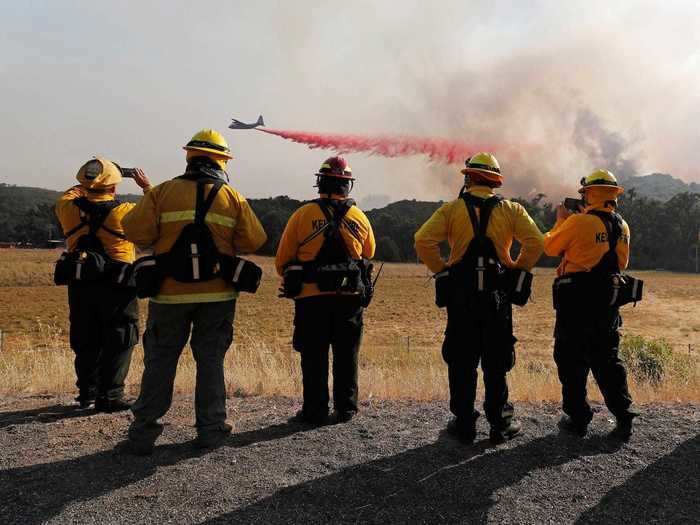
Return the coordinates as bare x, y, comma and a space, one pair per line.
603, 147
556, 88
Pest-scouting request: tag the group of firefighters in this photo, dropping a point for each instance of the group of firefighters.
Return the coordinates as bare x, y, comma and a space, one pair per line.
198, 222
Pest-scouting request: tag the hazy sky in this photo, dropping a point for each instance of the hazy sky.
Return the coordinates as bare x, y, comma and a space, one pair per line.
564, 86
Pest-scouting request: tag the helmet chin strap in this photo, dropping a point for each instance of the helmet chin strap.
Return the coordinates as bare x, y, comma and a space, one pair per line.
467, 184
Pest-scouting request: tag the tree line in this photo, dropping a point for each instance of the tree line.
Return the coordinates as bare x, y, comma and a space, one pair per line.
664, 234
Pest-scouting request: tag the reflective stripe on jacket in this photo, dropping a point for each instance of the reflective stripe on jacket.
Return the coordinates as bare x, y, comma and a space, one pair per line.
160, 216
69, 216
356, 232
451, 223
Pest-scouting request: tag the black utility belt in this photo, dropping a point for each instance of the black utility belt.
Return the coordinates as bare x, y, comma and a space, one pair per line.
597, 290
91, 266
487, 277
344, 277
149, 272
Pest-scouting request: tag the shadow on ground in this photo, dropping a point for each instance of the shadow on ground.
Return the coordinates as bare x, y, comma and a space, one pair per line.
667, 491
49, 414
37, 493
440, 482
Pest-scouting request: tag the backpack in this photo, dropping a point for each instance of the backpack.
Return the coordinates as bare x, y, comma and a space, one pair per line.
89, 262
478, 279
333, 269
604, 285
194, 257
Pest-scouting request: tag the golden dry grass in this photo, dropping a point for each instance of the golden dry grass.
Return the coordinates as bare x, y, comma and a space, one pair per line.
400, 356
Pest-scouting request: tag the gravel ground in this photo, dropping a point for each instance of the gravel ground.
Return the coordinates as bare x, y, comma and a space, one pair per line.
392, 464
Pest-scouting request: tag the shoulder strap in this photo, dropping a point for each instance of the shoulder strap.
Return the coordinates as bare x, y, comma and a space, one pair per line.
93, 215
202, 205
83, 222
486, 206
335, 212
334, 216
613, 227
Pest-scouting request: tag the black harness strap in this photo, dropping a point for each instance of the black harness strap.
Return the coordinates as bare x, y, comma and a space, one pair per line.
75, 230
486, 206
93, 215
202, 205
115, 233
613, 227
335, 215
355, 234
332, 220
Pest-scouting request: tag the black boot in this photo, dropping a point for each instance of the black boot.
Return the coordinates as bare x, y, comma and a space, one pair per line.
501, 435
213, 439
85, 400
110, 406
307, 419
623, 428
465, 432
573, 427
343, 417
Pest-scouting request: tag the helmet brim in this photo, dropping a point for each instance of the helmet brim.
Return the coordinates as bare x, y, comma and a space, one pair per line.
344, 177
619, 189
208, 150
490, 175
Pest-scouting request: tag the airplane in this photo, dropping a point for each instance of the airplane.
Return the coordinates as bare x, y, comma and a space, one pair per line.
237, 124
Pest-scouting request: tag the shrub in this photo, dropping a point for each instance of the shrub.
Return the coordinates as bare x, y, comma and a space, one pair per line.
647, 360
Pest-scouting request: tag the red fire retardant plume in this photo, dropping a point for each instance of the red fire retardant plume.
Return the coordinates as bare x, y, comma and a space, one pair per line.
436, 149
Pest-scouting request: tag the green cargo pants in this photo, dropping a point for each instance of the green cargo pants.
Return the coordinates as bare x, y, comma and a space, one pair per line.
167, 331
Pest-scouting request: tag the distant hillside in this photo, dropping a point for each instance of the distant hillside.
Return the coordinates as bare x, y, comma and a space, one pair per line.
664, 232
659, 186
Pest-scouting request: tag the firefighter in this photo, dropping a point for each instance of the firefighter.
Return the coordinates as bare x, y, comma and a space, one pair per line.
320, 256
103, 308
592, 244
479, 227
203, 306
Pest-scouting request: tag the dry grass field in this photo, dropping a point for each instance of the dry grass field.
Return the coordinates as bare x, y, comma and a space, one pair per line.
400, 356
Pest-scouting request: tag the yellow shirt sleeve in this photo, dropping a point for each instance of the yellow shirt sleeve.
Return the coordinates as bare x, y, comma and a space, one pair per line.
558, 239
370, 244
623, 247
248, 234
289, 243
530, 238
141, 223
428, 238
64, 205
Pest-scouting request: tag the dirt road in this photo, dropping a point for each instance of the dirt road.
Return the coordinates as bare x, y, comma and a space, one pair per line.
392, 464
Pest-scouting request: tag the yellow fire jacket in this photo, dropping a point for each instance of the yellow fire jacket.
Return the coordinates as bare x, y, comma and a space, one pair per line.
159, 217
450, 222
69, 216
581, 241
356, 232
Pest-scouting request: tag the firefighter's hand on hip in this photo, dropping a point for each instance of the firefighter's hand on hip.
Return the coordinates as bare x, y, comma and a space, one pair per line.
141, 179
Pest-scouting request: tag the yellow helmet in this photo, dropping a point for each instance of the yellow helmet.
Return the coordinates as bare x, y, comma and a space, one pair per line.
601, 179
99, 174
484, 166
209, 141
